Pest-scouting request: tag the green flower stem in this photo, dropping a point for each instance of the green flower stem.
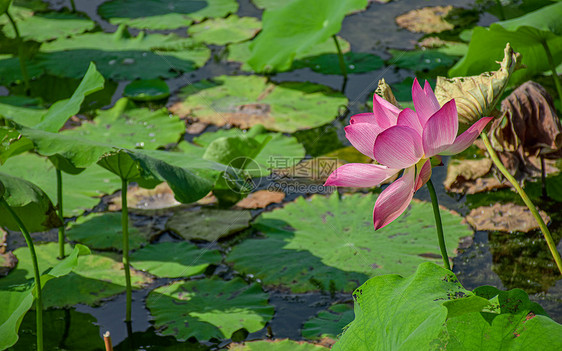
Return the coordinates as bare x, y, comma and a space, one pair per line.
502, 13
438, 224
21, 52
72, 6
528, 202
36, 272
341, 59
60, 213
125, 229
553, 69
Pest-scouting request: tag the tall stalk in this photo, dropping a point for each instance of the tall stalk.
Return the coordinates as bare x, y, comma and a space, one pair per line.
36, 272
72, 6
21, 52
553, 69
544, 229
125, 230
502, 13
438, 224
60, 213
341, 61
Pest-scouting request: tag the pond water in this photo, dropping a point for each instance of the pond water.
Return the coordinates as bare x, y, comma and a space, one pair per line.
493, 258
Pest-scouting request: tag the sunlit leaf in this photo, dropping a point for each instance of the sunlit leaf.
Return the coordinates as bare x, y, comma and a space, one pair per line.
221, 31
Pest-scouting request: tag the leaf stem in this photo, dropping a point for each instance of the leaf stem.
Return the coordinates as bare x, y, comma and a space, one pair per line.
72, 6
60, 213
544, 229
438, 224
21, 53
36, 272
341, 61
502, 13
553, 69
125, 230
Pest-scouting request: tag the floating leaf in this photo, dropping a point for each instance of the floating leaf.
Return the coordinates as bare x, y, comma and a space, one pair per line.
421, 60
467, 177
147, 90
276, 345
95, 278
328, 323
164, 14
10, 71
329, 63
209, 309
75, 330
504, 218
103, 231
241, 52
249, 100
174, 259
393, 313
426, 19
525, 35
222, 31
121, 57
295, 27
126, 126
29, 203
294, 254
81, 192
45, 26
208, 224
261, 199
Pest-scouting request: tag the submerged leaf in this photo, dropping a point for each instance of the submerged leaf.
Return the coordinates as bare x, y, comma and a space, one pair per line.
426, 20
476, 96
504, 218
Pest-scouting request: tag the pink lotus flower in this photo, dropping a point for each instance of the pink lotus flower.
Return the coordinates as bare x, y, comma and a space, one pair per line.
402, 140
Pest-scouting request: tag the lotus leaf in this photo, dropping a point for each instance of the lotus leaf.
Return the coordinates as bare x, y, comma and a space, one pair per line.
209, 308
328, 323
222, 31
147, 90
174, 259
208, 224
95, 278
276, 345
294, 254
249, 100
329, 63
10, 71
291, 29
421, 60
164, 14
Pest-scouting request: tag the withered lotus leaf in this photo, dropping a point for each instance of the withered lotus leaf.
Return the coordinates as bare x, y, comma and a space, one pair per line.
383, 90
476, 96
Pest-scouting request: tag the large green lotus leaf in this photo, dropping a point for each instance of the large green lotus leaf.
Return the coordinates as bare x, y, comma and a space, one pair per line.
10, 71
209, 308
103, 231
486, 46
396, 313
511, 322
249, 100
222, 31
28, 202
67, 329
17, 298
208, 224
148, 169
545, 20
240, 52
290, 29
95, 278
53, 119
12, 144
279, 151
329, 63
328, 323
122, 57
164, 14
276, 345
44, 26
174, 259
81, 191
131, 128
296, 254
147, 90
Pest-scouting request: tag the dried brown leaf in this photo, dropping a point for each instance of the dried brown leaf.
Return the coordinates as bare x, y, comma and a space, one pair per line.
426, 20
504, 218
261, 199
467, 177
